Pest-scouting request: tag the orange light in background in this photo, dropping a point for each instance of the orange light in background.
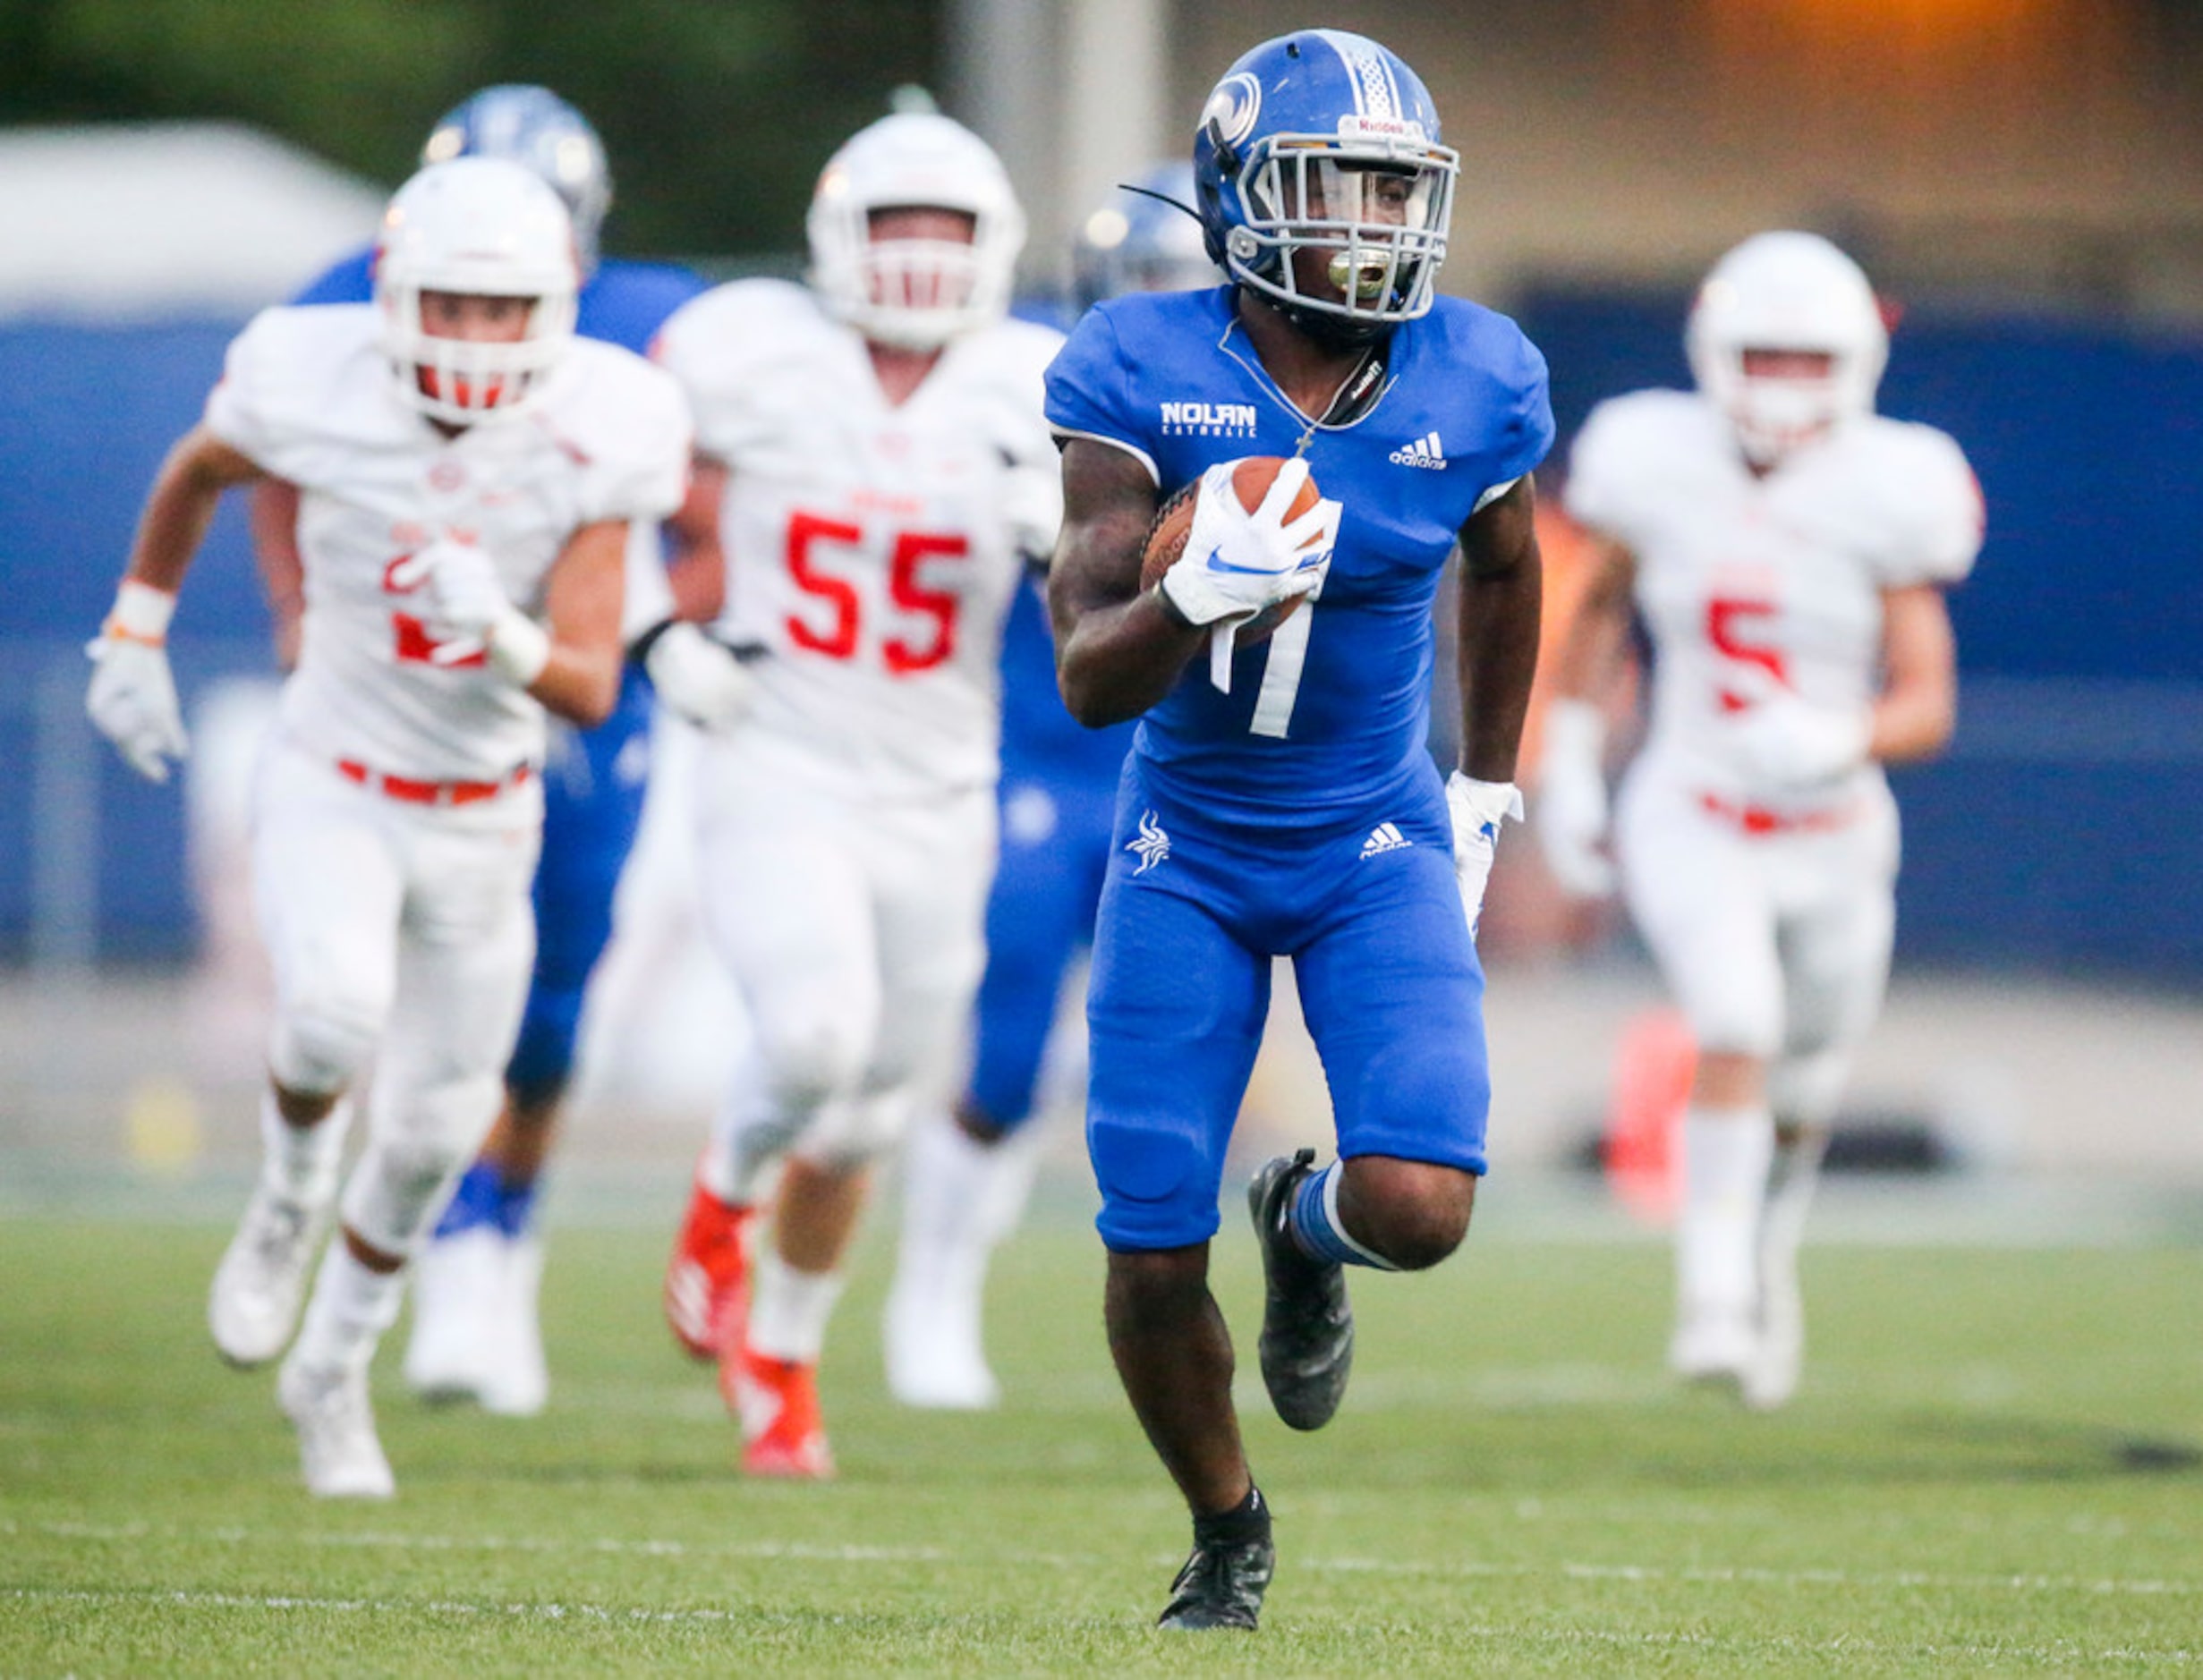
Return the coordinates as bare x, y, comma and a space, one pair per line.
1917, 20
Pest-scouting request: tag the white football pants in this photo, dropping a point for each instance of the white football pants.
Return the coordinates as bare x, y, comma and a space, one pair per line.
1774, 946
855, 932
404, 934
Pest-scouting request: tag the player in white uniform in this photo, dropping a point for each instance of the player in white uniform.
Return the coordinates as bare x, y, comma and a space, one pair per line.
967, 1174
886, 465
1788, 550
468, 475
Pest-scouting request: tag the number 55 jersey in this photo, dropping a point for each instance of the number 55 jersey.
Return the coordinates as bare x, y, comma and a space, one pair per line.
871, 548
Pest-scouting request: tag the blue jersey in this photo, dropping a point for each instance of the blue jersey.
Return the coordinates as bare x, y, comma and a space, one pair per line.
622, 303
1328, 716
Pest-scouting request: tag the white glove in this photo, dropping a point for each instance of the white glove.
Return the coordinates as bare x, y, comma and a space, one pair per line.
1235, 562
1783, 742
698, 678
1571, 799
132, 697
470, 613
1477, 809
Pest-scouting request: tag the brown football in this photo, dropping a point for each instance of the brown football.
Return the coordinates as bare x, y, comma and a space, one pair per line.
1166, 536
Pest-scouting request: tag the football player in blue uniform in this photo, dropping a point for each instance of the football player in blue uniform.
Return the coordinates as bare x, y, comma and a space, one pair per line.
475, 1330
965, 1175
1280, 799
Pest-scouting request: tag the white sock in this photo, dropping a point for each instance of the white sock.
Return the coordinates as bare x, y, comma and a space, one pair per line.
1791, 1181
960, 1193
788, 1309
1726, 1154
301, 1163
351, 1307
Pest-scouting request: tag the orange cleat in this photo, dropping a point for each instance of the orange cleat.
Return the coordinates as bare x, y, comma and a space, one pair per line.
776, 1403
708, 1279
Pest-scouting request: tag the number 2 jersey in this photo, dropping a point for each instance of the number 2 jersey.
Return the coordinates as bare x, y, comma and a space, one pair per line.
308, 394
872, 549
1745, 581
1327, 716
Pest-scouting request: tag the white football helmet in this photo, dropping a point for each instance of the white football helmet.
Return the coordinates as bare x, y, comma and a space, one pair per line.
488, 227
1786, 292
915, 293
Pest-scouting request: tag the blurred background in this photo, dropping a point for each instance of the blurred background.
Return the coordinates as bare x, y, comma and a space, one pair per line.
2023, 179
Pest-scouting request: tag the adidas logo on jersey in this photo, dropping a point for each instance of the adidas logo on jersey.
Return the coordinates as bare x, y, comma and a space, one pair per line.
1384, 838
1424, 452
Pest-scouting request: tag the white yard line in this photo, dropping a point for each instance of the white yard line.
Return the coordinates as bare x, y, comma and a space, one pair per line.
812, 1552
2063, 1651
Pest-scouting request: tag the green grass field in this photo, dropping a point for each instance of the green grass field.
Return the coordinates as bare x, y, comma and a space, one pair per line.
1992, 1469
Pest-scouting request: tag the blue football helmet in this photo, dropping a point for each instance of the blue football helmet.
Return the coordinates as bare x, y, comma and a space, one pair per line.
1133, 243
1324, 141
534, 126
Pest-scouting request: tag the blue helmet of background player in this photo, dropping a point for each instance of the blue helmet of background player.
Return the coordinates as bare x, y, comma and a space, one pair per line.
1324, 141
534, 126
1133, 243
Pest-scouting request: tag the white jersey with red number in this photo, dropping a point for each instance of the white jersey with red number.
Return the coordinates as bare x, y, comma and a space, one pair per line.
870, 550
1746, 582
308, 395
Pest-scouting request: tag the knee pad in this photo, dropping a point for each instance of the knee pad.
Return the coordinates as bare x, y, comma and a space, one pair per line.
421, 1140
1158, 1185
396, 1193
1735, 1026
1805, 1089
806, 1069
321, 1044
847, 1135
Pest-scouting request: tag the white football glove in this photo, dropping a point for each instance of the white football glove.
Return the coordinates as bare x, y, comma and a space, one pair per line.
1477, 809
1781, 741
1235, 562
1571, 799
470, 612
132, 697
698, 678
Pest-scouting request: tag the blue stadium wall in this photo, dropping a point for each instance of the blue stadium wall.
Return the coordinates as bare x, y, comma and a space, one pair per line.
86, 414
2063, 831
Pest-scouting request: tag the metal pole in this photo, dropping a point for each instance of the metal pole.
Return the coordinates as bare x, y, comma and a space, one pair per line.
64, 824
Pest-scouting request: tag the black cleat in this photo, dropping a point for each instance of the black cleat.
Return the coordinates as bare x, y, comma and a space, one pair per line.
1308, 1340
1221, 1586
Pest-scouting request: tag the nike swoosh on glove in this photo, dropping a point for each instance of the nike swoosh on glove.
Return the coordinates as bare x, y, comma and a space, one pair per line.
1236, 563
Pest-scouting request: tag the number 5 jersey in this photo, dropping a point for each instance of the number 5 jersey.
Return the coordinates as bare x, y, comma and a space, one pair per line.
1751, 584
308, 394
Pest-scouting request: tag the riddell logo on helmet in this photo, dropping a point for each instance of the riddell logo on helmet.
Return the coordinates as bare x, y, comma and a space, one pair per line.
1352, 126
